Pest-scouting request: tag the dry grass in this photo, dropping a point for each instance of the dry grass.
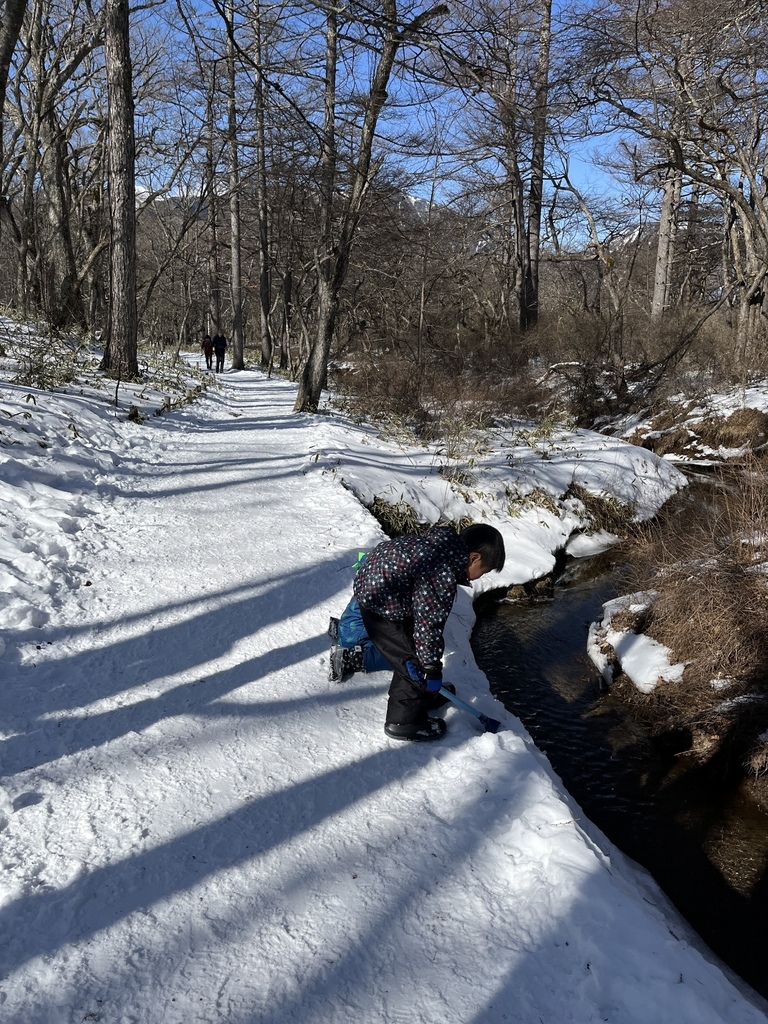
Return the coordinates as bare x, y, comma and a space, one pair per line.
605, 513
396, 518
675, 440
744, 427
433, 401
714, 614
757, 761
668, 431
706, 562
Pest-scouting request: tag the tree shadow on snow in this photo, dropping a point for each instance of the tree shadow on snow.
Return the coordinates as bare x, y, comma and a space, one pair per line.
41, 922
162, 644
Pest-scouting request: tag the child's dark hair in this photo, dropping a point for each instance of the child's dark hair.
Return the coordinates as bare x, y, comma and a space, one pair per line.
487, 542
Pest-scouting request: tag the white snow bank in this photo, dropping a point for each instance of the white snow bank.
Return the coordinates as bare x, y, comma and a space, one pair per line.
516, 480
644, 661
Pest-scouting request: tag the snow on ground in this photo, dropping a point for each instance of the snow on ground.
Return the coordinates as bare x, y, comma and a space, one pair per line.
196, 826
517, 478
693, 416
643, 660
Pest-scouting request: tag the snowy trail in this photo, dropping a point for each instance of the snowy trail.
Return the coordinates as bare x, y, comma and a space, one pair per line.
198, 827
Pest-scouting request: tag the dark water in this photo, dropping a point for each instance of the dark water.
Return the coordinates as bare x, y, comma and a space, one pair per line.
699, 831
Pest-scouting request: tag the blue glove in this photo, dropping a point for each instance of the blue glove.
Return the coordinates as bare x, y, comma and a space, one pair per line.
416, 675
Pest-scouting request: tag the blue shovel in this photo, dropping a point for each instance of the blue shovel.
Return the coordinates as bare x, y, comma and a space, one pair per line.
489, 724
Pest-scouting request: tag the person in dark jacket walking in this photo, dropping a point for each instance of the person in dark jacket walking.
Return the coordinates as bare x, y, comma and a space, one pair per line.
405, 589
207, 347
219, 347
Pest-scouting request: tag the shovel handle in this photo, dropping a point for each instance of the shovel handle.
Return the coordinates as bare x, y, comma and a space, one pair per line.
489, 724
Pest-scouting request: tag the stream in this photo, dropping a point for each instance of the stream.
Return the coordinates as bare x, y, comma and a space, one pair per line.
699, 831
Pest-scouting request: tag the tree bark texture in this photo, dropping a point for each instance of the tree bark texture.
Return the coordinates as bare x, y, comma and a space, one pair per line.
121, 357
236, 290
10, 27
665, 250
64, 303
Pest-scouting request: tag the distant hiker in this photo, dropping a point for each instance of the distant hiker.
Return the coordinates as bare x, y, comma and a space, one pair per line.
219, 347
353, 650
207, 348
405, 589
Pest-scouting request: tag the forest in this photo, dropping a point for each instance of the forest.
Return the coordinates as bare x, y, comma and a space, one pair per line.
406, 190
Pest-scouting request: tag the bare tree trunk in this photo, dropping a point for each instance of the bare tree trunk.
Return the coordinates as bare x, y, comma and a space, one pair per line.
285, 332
521, 252
28, 285
262, 199
313, 379
94, 218
10, 27
214, 293
516, 250
65, 304
426, 253
607, 280
531, 294
748, 322
121, 357
665, 251
52, 56
692, 286
333, 260
236, 290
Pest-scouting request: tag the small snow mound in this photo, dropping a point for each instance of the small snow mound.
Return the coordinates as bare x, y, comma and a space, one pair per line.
644, 661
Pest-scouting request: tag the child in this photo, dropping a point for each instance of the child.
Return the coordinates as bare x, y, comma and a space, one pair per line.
405, 589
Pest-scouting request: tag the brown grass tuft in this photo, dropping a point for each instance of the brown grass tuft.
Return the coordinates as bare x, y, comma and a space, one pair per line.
396, 518
434, 401
604, 513
668, 432
706, 562
757, 761
677, 440
743, 428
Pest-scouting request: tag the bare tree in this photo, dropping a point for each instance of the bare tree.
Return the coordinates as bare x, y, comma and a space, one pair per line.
692, 78
262, 196
235, 285
47, 107
337, 235
500, 57
530, 302
120, 356
665, 249
212, 205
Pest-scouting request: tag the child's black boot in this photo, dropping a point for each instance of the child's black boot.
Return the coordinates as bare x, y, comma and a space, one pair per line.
431, 729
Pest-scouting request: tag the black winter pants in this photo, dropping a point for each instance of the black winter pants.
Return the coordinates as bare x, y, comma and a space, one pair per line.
408, 705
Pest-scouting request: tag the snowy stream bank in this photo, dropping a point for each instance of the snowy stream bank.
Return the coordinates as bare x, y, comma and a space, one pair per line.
197, 826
